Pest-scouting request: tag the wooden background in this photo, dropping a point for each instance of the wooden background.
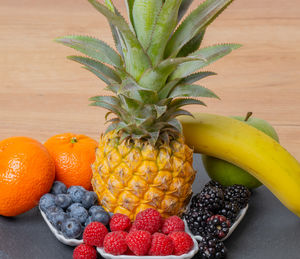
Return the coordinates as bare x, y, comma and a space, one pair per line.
42, 93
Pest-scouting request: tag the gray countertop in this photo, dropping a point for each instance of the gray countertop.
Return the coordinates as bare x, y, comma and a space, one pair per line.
269, 230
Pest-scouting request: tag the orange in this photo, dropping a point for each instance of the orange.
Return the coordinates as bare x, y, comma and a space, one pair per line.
27, 172
73, 156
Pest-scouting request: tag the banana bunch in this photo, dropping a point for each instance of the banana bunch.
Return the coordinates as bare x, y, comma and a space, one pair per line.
248, 148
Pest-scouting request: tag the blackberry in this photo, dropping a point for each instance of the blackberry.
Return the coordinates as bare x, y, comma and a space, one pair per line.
230, 211
237, 193
210, 197
197, 220
211, 248
218, 226
213, 183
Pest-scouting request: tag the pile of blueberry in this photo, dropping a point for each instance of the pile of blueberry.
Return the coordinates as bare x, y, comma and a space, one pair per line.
211, 214
70, 210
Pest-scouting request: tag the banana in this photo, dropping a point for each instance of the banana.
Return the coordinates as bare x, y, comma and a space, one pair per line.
248, 148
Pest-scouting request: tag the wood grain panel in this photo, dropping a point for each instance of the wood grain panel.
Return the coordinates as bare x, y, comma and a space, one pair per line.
42, 93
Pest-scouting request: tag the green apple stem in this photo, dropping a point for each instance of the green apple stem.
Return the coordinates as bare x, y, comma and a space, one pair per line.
249, 114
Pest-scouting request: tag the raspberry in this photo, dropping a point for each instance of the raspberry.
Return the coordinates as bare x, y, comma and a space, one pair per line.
133, 228
139, 242
182, 241
119, 222
148, 220
94, 234
161, 245
115, 243
84, 251
171, 224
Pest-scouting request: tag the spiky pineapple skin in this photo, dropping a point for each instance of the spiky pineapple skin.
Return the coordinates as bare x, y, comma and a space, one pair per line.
131, 176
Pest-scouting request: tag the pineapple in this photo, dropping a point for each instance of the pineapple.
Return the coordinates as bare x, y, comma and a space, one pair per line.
142, 161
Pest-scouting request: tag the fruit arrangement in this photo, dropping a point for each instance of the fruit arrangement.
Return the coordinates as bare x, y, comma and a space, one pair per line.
70, 210
148, 235
142, 170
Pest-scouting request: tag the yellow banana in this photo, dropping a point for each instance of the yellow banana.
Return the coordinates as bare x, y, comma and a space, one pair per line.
248, 148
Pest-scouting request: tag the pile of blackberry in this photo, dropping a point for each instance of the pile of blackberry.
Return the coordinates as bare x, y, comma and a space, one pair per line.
211, 248
212, 212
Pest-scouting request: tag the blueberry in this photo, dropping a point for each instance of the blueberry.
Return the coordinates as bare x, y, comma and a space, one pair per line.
79, 213
76, 193
88, 221
52, 210
71, 228
95, 209
101, 216
89, 199
63, 200
47, 201
73, 206
57, 218
58, 188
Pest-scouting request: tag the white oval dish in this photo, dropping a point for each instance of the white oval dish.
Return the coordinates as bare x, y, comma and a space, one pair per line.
58, 234
76, 242
240, 216
184, 256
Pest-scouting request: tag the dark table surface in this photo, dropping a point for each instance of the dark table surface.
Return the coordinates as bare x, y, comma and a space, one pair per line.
269, 230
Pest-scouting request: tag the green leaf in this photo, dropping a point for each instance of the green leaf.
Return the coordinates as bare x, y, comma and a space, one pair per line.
99, 75
164, 92
156, 78
111, 127
110, 5
154, 137
94, 48
180, 102
107, 99
145, 14
181, 112
113, 120
112, 108
166, 23
192, 91
196, 77
117, 39
129, 6
136, 59
113, 88
176, 124
210, 54
192, 45
107, 73
185, 4
196, 22
130, 104
160, 110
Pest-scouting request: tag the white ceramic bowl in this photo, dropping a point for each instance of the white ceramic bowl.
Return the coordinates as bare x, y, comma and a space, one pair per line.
184, 256
76, 242
58, 234
232, 228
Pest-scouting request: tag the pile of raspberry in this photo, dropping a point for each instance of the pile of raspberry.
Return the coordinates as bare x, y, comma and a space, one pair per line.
149, 234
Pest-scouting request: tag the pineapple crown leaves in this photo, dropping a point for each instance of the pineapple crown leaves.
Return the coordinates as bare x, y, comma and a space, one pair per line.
153, 71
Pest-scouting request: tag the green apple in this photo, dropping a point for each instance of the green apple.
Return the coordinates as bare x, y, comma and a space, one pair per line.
229, 174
